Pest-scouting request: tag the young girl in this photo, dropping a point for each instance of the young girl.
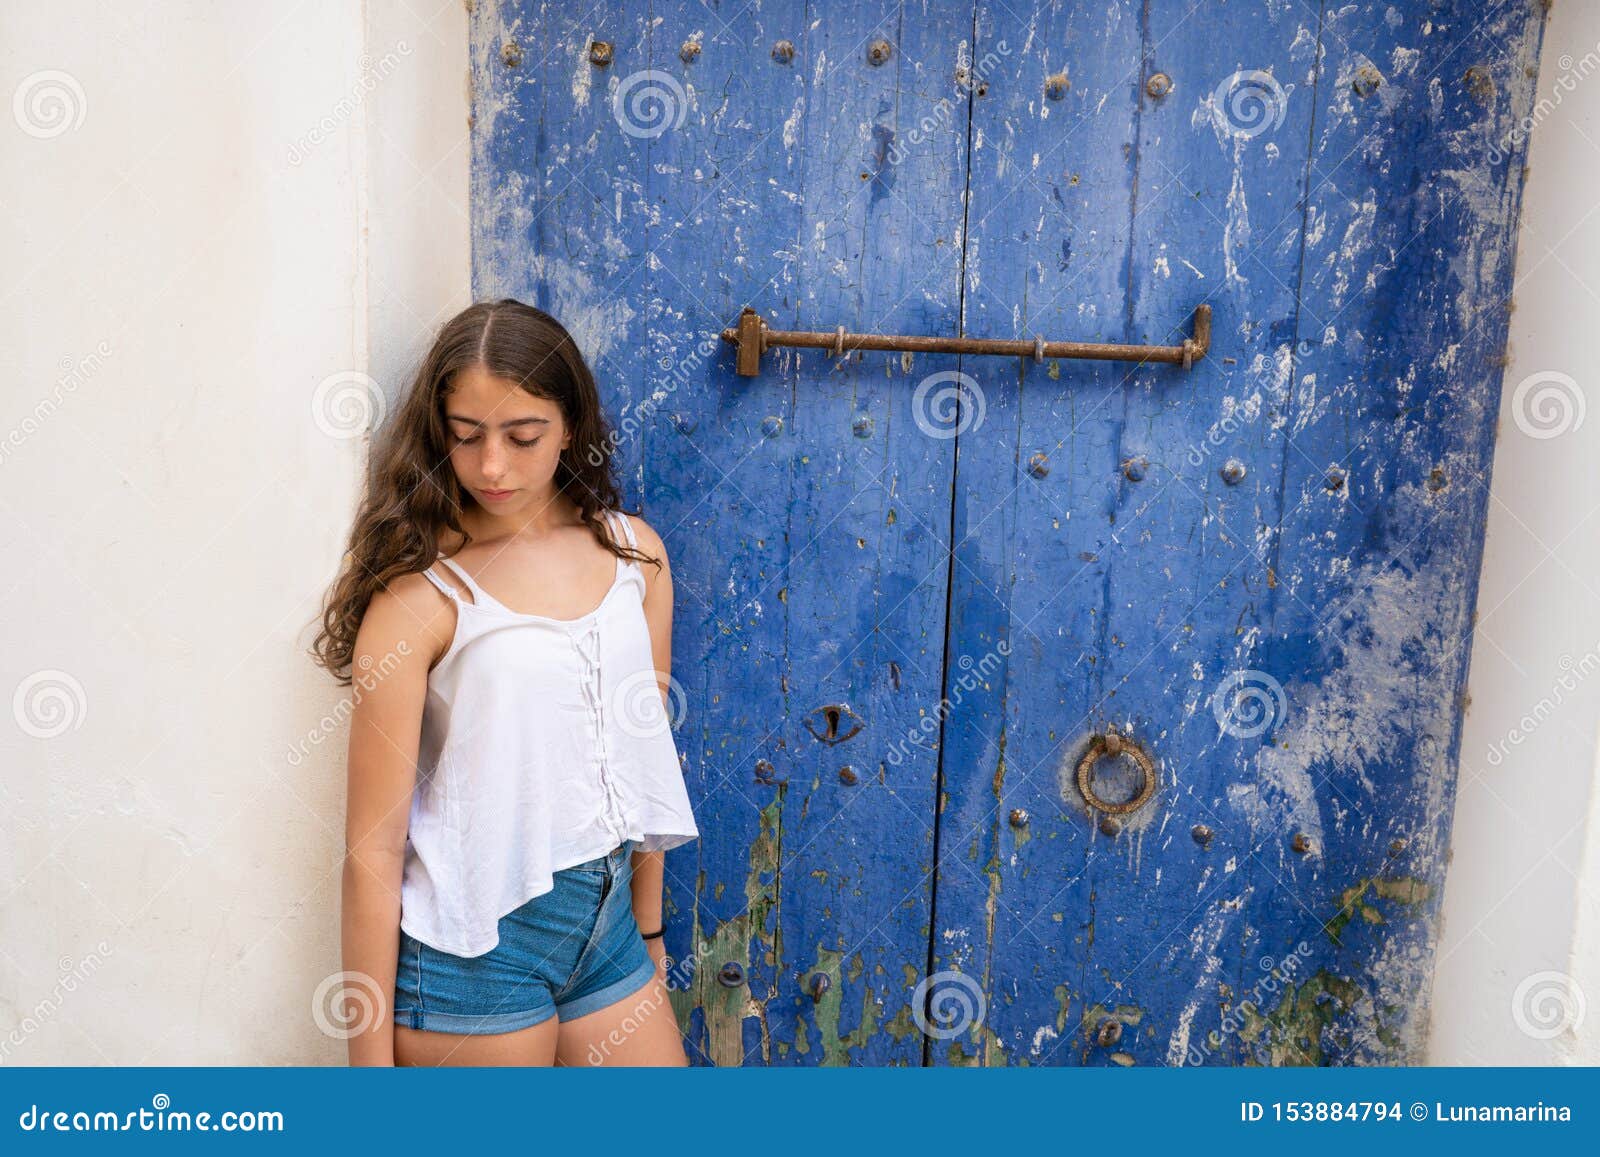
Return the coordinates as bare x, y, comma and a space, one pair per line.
513, 781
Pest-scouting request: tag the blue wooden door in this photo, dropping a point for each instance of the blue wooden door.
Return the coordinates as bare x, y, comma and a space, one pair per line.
925, 602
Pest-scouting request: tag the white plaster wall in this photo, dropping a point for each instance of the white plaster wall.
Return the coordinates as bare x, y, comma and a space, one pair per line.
1519, 952
419, 263
209, 211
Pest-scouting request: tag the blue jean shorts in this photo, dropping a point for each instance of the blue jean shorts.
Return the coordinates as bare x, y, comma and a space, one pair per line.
571, 951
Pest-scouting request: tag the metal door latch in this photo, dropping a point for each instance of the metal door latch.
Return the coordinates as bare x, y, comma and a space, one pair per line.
752, 337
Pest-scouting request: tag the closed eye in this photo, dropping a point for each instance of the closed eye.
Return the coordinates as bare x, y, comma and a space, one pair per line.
476, 438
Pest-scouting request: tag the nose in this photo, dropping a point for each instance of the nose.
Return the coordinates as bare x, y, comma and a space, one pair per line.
493, 463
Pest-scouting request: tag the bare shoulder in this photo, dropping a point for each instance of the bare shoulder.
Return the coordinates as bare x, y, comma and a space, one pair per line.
409, 610
649, 541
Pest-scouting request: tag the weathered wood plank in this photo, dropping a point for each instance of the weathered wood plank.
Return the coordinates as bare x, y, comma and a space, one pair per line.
882, 162
806, 513
1223, 950
1047, 252
1408, 274
1222, 173
725, 212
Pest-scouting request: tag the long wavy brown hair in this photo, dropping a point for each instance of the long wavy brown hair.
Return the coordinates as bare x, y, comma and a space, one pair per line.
412, 494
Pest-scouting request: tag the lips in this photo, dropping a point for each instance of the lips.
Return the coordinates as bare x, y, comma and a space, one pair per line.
496, 495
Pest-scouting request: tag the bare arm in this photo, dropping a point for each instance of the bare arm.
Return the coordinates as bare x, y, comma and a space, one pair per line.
650, 867
401, 634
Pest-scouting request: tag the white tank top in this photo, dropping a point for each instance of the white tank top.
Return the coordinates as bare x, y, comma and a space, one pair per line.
544, 744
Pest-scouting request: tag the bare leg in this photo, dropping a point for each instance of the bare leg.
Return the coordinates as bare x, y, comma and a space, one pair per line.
535, 1045
639, 1029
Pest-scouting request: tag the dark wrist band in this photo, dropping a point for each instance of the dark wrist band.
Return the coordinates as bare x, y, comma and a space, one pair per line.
653, 935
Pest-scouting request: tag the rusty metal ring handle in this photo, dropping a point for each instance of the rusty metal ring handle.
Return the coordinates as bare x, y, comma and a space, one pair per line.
1113, 745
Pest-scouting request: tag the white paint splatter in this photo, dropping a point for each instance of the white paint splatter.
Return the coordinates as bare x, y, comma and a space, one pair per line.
1236, 230
597, 320
583, 76
791, 126
1391, 645
1354, 251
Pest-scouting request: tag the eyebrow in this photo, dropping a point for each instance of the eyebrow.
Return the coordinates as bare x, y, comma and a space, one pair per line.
503, 425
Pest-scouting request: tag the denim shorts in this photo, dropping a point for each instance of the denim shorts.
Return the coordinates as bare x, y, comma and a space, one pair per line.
571, 951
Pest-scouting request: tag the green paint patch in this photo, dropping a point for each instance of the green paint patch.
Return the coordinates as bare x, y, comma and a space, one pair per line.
829, 1004
1063, 1006
989, 1050
902, 1025
1095, 1026
1291, 1034
826, 1006
1127, 1014
725, 1007
1353, 901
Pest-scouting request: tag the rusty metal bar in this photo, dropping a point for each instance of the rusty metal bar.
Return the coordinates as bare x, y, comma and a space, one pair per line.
752, 337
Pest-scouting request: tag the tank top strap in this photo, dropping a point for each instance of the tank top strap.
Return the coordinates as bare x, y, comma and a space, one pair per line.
627, 527
479, 595
448, 590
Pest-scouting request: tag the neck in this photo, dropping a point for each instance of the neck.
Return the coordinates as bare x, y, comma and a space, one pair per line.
538, 517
